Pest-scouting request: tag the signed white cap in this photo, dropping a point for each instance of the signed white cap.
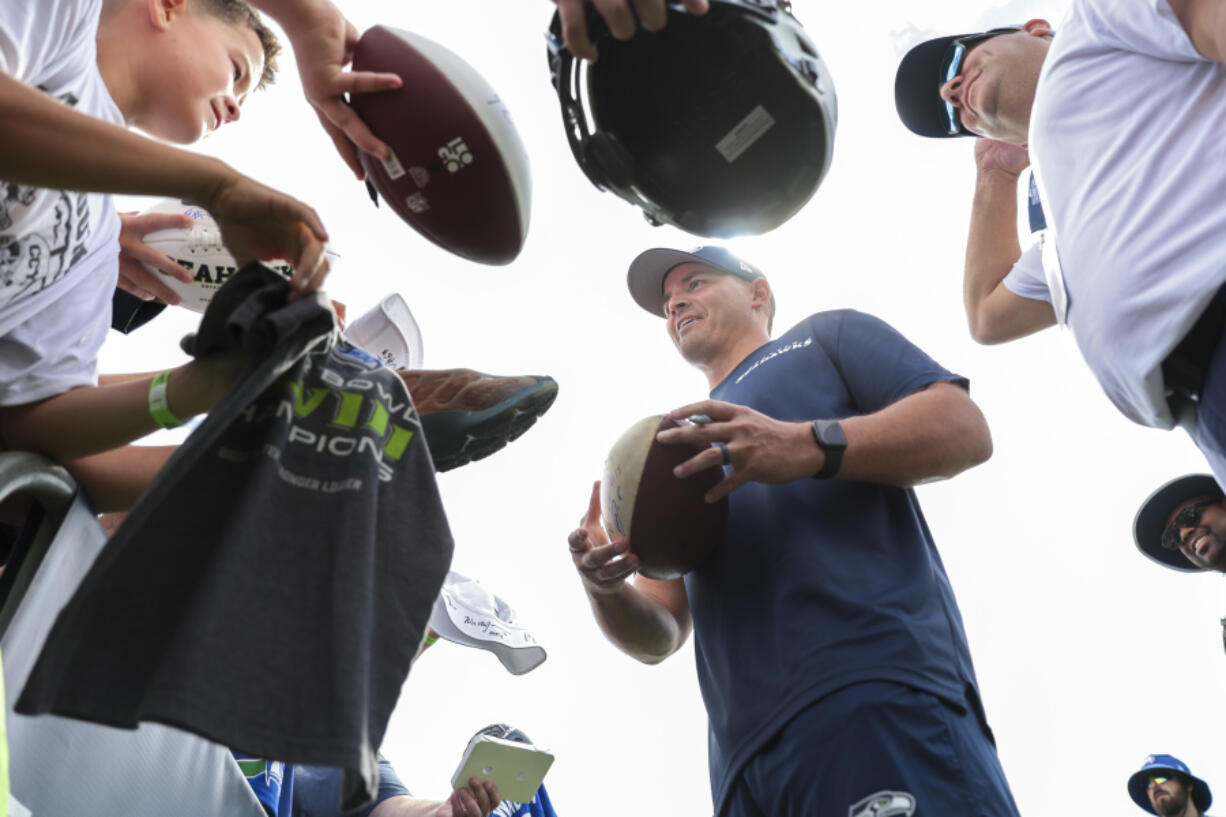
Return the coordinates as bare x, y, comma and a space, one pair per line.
466, 613
388, 331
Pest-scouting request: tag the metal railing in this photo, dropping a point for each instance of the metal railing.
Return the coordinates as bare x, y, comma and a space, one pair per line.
53, 489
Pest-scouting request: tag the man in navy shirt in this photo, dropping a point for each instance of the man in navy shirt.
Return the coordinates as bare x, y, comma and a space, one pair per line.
830, 651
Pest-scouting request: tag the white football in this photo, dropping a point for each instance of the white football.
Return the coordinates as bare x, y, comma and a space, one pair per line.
199, 250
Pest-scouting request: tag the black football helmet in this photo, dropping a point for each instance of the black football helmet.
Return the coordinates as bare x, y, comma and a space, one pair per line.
720, 124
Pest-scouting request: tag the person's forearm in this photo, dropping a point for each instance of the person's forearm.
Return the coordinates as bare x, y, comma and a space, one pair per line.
637, 624
992, 247
124, 377
114, 480
405, 806
47, 144
90, 420
932, 434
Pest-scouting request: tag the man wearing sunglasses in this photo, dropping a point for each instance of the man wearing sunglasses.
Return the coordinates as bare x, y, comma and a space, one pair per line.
1165, 787
1120, 118
1183, 525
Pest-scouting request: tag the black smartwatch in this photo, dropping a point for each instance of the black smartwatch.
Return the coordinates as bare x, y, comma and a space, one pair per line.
830, 437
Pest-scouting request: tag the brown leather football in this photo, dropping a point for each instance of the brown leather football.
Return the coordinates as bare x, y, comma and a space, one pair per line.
459, 172
664, 519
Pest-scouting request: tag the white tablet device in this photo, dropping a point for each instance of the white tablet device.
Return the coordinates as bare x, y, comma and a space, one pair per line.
517, 769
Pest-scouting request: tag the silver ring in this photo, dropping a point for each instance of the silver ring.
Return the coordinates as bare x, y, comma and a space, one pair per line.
723, 451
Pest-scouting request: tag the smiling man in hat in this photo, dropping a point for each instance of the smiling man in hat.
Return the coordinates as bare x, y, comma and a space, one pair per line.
1122, 114
830, 651
1165, 787
1182, 525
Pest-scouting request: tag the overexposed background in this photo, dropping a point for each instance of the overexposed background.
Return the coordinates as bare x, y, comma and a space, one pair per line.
1089, 657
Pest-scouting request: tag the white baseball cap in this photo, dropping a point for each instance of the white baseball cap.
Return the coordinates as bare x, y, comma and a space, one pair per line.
466, 613
389, 332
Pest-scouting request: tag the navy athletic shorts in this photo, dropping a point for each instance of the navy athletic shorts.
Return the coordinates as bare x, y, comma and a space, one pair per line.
876, 749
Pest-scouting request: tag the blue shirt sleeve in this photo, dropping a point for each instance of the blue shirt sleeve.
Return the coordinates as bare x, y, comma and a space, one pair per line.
878, 365
317, 790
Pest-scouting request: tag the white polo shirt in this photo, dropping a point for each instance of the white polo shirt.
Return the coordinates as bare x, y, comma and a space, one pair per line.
1128, 139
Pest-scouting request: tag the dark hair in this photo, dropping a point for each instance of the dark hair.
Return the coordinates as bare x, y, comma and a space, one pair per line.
237, 12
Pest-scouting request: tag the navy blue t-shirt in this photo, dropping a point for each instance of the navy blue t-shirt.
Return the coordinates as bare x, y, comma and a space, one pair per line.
819, 584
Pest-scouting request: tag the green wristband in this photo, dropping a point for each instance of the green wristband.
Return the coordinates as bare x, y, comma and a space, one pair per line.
159, 409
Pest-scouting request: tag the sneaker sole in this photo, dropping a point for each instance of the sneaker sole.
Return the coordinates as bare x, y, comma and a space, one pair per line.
457, 438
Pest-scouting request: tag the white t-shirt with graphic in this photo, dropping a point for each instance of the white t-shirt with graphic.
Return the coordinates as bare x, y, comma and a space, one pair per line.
59, 250
1128, 135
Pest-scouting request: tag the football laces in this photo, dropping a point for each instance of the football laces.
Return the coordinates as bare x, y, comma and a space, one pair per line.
206, 239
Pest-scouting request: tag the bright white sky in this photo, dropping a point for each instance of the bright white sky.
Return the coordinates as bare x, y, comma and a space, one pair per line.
1089, 657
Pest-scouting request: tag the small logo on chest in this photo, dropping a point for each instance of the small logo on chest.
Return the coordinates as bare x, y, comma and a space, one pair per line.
774, 353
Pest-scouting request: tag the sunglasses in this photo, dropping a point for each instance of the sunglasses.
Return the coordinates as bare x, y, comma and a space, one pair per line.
1156, 781
1189, 517
951, 66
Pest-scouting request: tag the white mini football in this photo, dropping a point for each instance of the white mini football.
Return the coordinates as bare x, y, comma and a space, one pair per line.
198, 249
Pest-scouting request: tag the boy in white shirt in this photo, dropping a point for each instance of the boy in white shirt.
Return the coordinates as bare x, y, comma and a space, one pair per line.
177, 69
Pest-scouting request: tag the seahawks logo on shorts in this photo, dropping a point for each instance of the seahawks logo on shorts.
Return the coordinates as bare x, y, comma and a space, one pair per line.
884, 804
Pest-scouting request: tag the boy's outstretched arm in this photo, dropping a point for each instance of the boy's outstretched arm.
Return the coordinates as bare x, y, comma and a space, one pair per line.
114, 480
46, 144
93, 419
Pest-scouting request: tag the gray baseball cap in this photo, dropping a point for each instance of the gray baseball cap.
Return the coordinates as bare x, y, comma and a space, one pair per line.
651, 267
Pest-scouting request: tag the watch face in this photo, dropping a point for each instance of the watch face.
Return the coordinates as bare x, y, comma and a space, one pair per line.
831, 435
832, 441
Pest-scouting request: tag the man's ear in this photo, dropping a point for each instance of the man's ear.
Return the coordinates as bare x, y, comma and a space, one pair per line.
761, 290
162, 13
1038, 27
